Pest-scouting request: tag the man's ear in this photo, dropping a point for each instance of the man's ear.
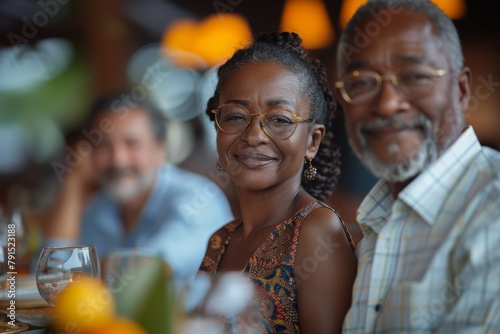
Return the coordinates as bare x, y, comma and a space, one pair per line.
464, 85
317, 133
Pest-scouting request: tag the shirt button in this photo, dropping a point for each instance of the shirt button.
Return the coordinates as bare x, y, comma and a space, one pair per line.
378, 307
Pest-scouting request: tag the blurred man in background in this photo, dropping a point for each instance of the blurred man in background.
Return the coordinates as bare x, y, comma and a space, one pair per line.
121, 193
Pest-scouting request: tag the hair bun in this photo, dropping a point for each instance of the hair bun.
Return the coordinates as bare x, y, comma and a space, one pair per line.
289, 39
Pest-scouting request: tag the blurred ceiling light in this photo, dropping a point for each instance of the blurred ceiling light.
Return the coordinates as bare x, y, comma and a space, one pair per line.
177, 43
348, 9
220, 35
455, 9
309, 19
214, 39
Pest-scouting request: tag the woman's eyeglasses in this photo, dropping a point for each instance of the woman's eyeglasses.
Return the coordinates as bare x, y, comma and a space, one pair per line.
279, 124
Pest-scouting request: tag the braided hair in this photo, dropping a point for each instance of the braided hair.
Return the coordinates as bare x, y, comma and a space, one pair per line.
285, 49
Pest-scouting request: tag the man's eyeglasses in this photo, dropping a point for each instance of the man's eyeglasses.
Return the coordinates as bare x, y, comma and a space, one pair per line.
361, 86
279, 124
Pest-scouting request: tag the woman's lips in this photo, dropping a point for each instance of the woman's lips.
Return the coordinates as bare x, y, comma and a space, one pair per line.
253, 160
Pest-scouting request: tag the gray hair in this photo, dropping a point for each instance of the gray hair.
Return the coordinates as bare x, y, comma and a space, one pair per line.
122, 101
445, 30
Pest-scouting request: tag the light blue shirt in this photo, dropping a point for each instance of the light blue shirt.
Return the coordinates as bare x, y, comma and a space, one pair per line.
178, 219
430, 259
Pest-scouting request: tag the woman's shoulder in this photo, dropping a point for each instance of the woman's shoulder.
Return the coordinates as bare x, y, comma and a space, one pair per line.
323, 221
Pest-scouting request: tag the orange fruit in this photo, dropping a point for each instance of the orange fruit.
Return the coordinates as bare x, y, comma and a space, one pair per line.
117, 326
84, 304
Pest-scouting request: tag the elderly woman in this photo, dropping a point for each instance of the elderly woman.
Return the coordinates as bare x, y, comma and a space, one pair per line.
273, 109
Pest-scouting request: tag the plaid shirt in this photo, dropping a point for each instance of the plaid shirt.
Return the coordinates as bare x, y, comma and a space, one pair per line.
430, 260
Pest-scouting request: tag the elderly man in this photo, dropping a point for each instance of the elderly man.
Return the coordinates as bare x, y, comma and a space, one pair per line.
429, 260
140, 201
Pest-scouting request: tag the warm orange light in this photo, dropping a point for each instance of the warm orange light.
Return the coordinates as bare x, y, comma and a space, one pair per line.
220, 35
180, 34
348, 9
309, 19
455, 9
177, 44
214, 39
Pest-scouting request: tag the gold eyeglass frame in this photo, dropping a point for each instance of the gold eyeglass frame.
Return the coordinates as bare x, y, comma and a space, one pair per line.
436, 73
298, 120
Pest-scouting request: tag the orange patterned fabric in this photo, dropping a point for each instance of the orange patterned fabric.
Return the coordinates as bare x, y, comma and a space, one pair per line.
271, 270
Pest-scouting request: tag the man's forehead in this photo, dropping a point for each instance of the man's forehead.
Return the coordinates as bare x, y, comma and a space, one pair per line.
122, 112
129, 122
405, 35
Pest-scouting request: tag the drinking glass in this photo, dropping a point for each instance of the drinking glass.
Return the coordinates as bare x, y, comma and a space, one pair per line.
122, 266
59, 266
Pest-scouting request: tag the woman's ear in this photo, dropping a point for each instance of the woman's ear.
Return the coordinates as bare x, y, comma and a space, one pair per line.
315, 137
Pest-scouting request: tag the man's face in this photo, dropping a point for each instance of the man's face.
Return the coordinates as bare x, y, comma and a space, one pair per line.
128, 156
395, 132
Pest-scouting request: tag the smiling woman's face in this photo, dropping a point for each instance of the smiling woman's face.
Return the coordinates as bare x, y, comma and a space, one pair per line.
252, 159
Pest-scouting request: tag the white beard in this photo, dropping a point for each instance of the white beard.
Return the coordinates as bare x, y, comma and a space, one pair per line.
400, 170
123, 191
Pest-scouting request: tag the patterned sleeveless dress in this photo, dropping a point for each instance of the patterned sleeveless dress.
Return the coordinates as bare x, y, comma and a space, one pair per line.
271, 270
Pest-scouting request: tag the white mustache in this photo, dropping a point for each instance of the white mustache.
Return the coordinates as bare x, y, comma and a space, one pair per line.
396, 122
114, 173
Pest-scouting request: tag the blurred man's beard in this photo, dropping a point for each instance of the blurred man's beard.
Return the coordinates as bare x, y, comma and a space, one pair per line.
401, 170
121, 188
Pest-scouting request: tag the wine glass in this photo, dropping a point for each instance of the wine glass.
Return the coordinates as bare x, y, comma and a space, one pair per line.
60, 266
122, 266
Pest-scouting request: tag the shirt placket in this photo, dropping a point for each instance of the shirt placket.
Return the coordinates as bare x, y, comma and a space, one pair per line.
384, 267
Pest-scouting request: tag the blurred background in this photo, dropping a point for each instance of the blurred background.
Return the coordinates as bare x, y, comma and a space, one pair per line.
56, 56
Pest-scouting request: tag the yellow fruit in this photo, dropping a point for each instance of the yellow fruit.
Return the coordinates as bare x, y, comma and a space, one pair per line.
117, 326
83, 305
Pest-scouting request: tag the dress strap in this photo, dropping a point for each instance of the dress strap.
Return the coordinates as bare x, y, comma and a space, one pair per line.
344, 226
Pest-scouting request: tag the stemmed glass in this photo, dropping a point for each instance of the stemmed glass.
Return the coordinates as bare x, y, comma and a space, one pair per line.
59, 266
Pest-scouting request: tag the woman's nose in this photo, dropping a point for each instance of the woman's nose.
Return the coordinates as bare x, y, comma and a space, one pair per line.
255, 134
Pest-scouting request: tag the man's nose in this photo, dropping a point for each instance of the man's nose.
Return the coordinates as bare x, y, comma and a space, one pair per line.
389, 99
119, 156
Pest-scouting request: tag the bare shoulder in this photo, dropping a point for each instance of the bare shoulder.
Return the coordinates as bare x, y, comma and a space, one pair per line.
325, 269
324, 226
323, 220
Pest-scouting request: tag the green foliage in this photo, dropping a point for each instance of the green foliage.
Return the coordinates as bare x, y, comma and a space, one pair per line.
147, 297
